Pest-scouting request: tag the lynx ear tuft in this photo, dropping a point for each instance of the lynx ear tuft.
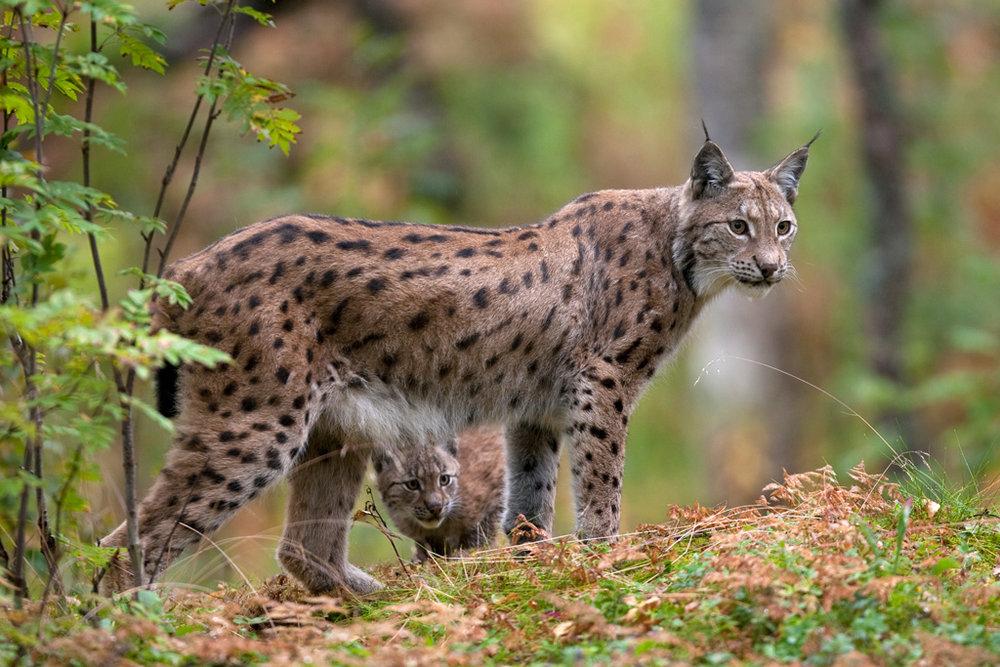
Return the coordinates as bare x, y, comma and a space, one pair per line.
711, 171
786, 174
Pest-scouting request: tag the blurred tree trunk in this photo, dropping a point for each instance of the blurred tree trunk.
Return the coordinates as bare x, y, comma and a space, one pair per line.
752, 414
888, 267
441, 167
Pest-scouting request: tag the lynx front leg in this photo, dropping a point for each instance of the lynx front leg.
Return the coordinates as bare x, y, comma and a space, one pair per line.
532, 466
324, 487
597, 433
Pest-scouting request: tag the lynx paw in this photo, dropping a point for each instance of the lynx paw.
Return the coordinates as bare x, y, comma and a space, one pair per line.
360, 582
117, 577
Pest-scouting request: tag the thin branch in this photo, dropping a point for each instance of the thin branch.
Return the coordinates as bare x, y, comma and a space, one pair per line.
88, 215
20, 543
126, 387
26, 353
168, 175
74, 469
64, 17
371, 509
26, 357
165, 253
9, 283
31, 73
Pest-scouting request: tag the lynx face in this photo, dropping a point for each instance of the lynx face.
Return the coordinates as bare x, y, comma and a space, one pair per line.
738, 227
419, 482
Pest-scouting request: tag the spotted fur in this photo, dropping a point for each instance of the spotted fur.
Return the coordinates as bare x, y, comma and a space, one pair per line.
348, 335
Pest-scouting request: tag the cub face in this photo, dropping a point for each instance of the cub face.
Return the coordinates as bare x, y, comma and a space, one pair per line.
738, 226
419, 482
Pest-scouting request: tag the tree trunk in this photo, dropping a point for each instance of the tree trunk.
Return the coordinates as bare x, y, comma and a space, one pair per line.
891, 249
753, 422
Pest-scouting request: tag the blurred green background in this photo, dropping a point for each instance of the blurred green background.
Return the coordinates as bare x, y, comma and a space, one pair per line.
496, 113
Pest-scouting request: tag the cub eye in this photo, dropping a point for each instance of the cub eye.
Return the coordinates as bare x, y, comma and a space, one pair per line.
445, 480
412, 484
784, 227
738, 227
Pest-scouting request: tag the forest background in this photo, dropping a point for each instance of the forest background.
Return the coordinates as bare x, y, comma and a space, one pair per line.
496, 113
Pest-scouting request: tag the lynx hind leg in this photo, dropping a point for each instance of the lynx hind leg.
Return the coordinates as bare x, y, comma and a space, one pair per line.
221, 458
324, 487
532, 466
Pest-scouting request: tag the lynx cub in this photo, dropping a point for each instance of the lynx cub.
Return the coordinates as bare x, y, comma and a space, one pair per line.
347, 332
450, 499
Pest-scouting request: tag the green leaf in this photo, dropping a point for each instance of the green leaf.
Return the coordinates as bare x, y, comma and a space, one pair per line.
141, 54
110, 12
91, 554
943, 565
65, 125
92, 65
173, 292
277, 127
254, 620
17, 102
146, 224
260, 17
148, 410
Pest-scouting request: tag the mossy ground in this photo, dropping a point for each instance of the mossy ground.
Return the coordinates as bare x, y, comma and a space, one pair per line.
824, 572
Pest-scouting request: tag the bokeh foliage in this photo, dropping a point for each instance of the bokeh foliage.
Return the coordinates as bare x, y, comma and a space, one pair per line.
496, 113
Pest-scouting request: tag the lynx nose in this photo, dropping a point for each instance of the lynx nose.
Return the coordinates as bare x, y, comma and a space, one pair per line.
434, 508
767, 269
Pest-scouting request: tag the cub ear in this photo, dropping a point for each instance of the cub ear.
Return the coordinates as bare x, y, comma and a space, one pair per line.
786, 174
711, 171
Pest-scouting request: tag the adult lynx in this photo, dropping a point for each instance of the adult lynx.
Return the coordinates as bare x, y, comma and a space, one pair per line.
349, 335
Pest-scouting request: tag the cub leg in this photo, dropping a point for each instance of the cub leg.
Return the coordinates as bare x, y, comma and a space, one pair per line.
532, 466
483, 534
324, 486
597, 435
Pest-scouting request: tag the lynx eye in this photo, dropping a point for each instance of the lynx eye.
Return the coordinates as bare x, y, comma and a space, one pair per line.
412, 484
784, 227
445, 480
738, 227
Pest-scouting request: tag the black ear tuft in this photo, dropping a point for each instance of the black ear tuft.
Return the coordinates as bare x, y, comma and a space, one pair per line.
786, 174
710, 173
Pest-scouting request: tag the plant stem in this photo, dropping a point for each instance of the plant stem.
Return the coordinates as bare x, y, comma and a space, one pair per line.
17, 571
128, 463
168, 174
212, 115
88, 215
26, 353
7, 284
165, 253
126, 388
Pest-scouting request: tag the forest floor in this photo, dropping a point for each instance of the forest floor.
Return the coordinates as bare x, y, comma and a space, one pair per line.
823, 571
